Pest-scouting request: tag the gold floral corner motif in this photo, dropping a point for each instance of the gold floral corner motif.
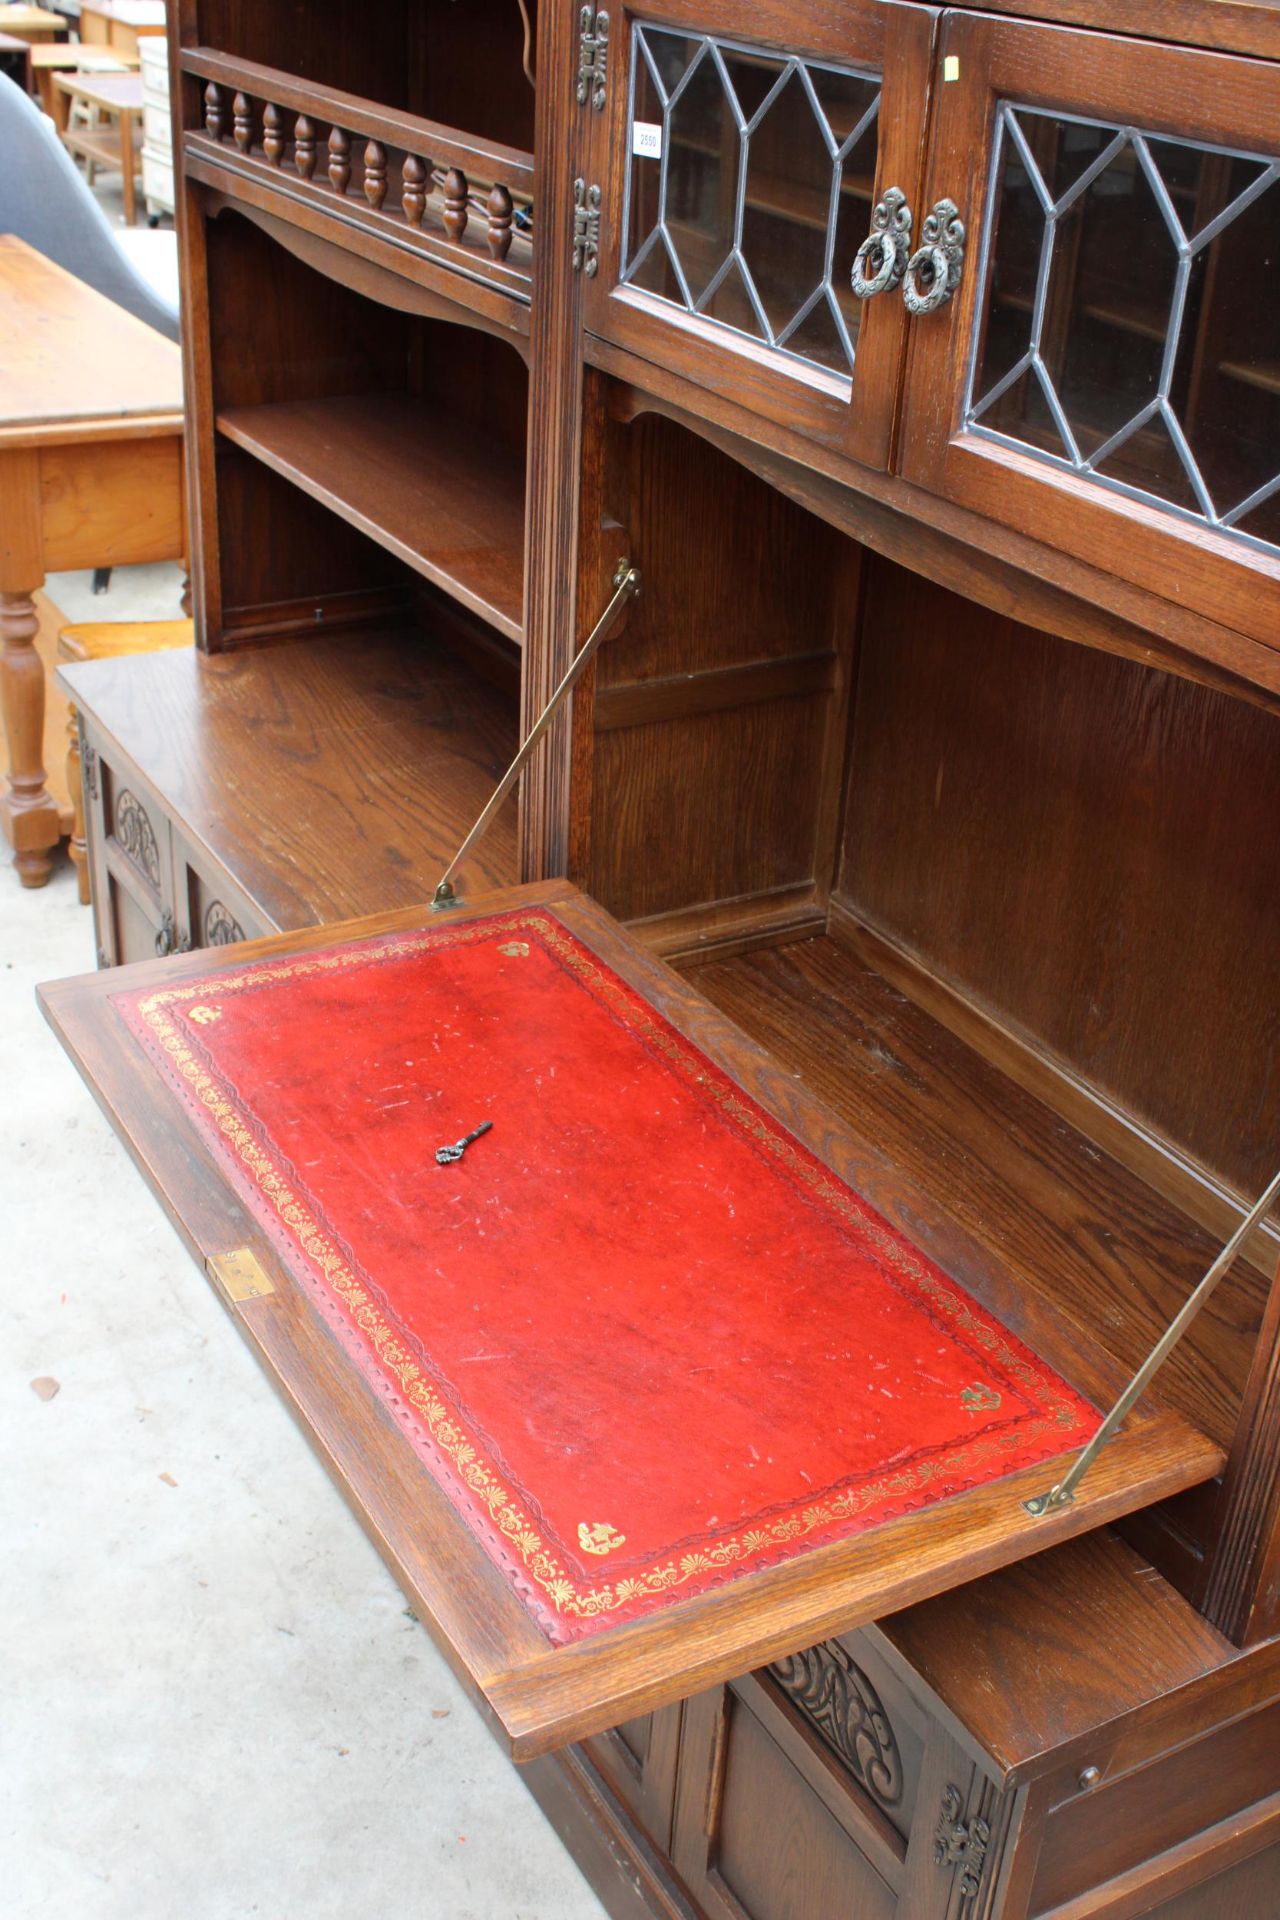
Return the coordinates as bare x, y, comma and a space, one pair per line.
600, 1538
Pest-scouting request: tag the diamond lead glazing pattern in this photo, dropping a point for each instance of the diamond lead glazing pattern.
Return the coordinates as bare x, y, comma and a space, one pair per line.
749, 190
1131, 316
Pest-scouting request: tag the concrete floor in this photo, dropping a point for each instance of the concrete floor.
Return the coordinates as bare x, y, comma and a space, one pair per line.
212, 1703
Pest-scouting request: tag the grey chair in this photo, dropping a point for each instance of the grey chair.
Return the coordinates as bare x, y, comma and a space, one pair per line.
45, 202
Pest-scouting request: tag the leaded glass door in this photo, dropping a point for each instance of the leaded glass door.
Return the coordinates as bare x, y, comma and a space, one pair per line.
1106, 373
742, 174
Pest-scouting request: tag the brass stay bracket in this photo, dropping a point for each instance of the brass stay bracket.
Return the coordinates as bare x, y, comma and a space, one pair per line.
1065, 1492
626, 584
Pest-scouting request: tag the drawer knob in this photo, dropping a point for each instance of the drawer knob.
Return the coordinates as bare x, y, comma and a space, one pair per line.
881, 260
934, 270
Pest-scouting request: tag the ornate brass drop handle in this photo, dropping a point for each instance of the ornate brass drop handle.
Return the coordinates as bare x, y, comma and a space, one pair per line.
933, 271
885, 248
167, 940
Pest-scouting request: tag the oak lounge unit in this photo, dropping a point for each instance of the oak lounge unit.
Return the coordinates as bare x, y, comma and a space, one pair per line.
909, 847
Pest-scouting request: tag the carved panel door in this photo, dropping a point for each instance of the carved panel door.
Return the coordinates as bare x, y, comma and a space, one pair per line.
638, 1759
1095, 355
130, 848
797, 1792
732, 184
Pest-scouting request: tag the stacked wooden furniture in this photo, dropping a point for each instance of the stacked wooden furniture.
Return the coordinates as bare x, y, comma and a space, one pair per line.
939, 753
36, 25
47, 61
101, 125
121, 24
157, 131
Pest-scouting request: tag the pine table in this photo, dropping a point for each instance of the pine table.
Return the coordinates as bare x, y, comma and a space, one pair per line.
91, 475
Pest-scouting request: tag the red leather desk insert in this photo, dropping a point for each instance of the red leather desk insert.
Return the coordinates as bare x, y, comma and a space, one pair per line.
643, 1338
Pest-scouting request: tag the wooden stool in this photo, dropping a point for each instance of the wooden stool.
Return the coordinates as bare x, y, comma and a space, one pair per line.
106, 640
45, 61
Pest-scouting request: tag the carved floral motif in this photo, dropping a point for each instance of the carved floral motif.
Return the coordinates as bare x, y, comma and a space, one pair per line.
221, 928
962, 1844
136, 836
847, 1711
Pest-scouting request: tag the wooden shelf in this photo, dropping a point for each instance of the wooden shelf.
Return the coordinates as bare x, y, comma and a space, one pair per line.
430, 489
1262, 375
1125, 319
327, 777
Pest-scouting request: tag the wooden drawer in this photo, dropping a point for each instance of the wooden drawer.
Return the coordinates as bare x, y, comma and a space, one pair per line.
1155, 1810
155, 126
153, 52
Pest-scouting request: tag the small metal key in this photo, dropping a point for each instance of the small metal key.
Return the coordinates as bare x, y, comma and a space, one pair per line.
445, 1156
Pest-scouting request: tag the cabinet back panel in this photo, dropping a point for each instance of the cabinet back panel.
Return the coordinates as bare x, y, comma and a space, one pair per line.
281, 331
733, 571
1088, 847
713, 807
335, 43
716, 769
278, 547
468, 68
462, 65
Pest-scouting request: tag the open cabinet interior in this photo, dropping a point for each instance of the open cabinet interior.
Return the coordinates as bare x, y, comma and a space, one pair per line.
375, 443
951, 870
419, 59
363, 576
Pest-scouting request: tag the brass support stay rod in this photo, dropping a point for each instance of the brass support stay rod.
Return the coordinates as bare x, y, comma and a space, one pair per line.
626, 584
1064, 1493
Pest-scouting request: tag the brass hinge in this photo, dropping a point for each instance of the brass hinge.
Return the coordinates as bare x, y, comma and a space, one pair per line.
586, 228
240, 1274
593, 58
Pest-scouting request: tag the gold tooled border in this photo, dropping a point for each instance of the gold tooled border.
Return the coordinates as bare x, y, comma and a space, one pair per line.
566, 1596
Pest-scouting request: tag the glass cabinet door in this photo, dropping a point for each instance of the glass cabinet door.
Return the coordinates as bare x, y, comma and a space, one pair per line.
744, 179
1104, 373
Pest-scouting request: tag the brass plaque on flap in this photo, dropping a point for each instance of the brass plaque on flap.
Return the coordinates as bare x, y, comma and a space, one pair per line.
240, 1275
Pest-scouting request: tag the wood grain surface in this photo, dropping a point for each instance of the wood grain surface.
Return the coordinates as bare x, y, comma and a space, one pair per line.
328, 777
74, 358
426, 487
